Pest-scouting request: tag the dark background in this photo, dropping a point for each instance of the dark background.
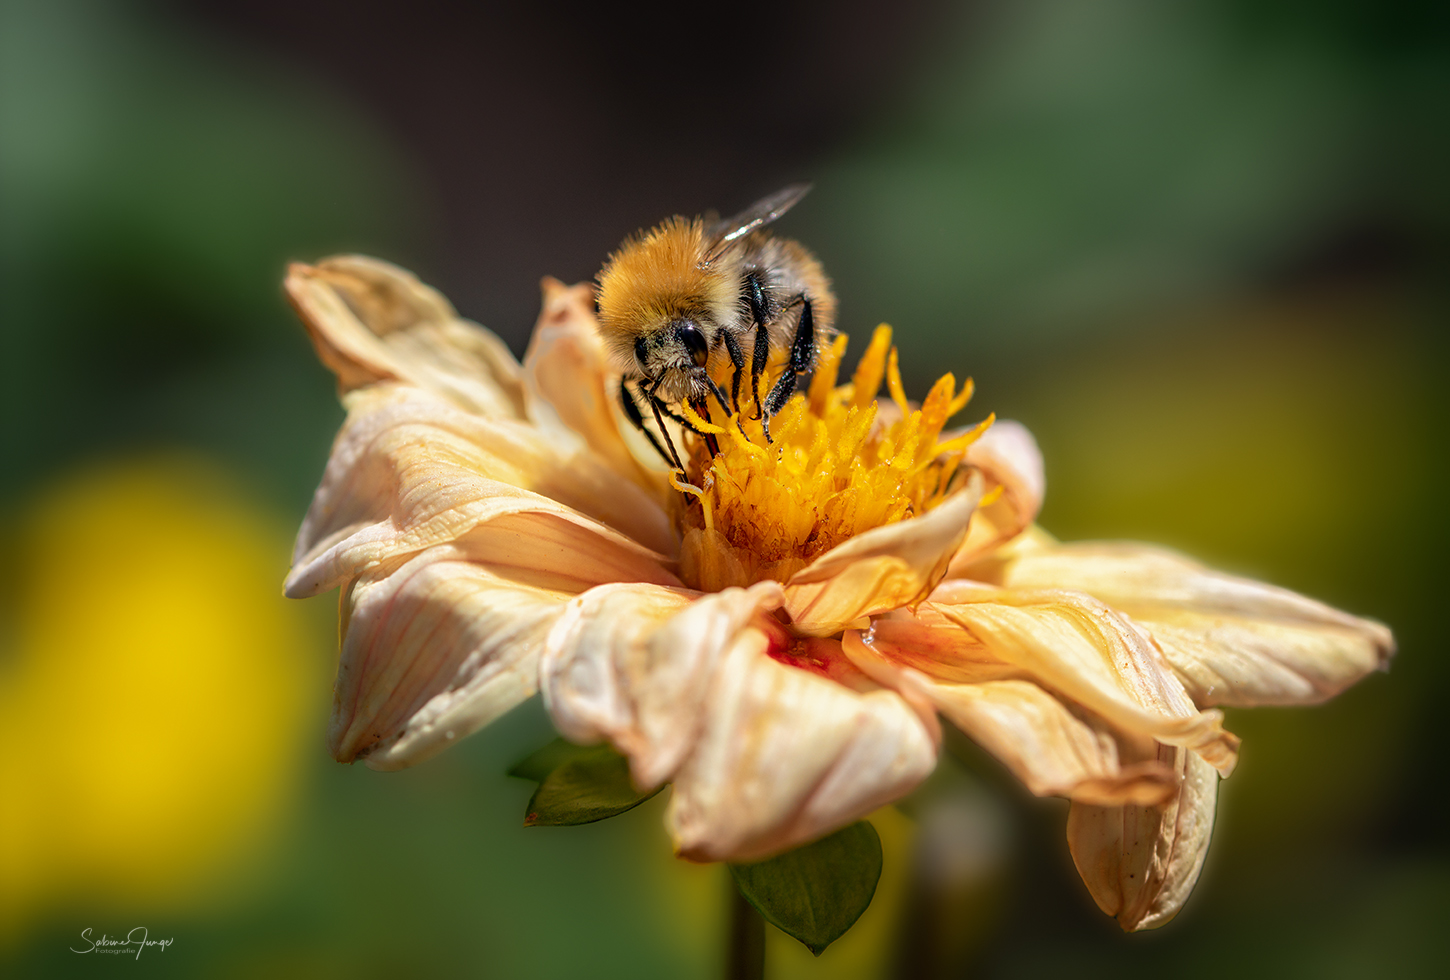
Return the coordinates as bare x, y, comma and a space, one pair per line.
1198, 247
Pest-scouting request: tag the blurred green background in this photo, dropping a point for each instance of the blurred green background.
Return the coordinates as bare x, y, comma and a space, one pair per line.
1198, 247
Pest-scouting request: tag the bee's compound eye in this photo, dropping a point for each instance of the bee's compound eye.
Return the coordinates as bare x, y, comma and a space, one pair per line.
640, 353
694, 340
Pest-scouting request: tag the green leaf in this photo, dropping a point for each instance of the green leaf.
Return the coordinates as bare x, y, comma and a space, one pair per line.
577, 784
816, 892
542, 761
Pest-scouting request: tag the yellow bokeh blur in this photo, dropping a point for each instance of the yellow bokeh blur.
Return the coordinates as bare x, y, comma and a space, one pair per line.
153, 697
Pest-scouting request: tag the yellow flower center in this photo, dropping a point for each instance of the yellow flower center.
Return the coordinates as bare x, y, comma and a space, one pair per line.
838, 464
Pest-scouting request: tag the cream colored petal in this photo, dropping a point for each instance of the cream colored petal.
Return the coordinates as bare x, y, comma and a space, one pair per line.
1232, 641
440, 644
1079, 648
786, 756
883, 569
1053, 751
434, 651
408, 472
371, 321
570, 384
554, 552
1140, 862
1007, 456
634, 663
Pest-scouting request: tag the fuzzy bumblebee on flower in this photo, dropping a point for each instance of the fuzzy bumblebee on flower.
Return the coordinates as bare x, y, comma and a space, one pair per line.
767, 598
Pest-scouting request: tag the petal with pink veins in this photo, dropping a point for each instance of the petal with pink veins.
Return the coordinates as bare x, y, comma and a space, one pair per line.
434, 651
441, 643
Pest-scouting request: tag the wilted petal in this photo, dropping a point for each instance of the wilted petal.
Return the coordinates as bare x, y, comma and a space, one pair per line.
634, 664
1141, 862
1232, 641
408, 472
787, 755
1086, 652
1052, 750
434, 651
570, 385
883, 569
447, 641
371, 321
1007, 457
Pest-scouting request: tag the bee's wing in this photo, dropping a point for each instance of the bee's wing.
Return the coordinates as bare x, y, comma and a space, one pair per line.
725, 233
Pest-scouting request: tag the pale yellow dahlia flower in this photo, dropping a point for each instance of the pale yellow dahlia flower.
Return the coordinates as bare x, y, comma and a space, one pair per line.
778, 639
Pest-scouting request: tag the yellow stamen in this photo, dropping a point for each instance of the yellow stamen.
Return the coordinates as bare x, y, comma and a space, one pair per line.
867, 380
966, 438
894, 385
831, 471
700, 424
969, 388
825, 377
689, 488
938, 406
738, 438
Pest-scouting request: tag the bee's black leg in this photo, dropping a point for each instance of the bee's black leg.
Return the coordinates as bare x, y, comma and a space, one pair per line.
737, 358
655, 404
720, 397
759, 356
662, 410
631, 412
802, 360
759, 305
675, 416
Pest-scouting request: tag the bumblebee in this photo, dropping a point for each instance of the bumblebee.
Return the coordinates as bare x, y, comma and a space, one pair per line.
682, 303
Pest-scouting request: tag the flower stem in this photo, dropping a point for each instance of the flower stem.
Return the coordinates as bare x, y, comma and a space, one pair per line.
745, 959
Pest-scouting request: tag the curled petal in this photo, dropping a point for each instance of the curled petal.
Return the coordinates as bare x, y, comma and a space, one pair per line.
1007, 457
371, 321
786, 756
634, 663
433, 652
443, 643
882, 569
1232, 641
409, 472
1140, 862
1084, 651
569, 382
1053, 751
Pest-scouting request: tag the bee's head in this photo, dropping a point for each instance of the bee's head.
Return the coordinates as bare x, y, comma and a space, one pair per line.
675, 343
658, 309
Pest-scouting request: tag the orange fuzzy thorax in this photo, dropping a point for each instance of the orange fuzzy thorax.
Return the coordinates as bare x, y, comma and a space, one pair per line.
836, 468
657, 276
